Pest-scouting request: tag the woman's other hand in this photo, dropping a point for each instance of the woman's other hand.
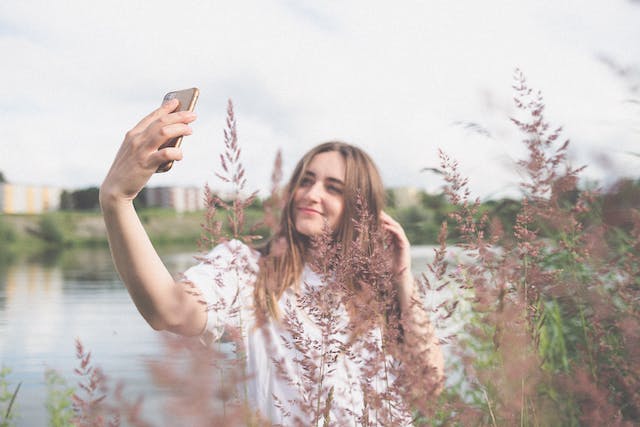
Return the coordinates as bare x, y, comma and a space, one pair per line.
400, 250
419, 336
138, 157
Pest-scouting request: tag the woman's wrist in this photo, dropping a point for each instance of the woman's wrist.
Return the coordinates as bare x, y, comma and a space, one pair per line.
111, 200
406, 290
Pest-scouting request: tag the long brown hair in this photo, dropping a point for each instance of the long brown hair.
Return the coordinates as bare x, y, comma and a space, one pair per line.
283, 257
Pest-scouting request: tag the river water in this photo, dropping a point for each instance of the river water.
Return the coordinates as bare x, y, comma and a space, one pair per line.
48, 302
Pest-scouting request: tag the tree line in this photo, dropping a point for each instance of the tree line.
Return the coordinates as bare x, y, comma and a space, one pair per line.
423, 218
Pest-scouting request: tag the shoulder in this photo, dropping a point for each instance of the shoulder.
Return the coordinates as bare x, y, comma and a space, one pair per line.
225, 261
232, 252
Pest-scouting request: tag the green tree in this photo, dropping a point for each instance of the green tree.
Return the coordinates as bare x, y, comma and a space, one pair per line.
140, 201
437, 202
391, 198
66, 201
86, 198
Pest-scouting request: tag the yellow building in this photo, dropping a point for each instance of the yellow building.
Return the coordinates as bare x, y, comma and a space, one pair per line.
29, 199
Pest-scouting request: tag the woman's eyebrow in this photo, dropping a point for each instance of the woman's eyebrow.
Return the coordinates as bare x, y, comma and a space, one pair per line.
329, 178
335, 180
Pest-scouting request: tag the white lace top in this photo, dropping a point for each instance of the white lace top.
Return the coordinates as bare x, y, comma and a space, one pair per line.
294, 364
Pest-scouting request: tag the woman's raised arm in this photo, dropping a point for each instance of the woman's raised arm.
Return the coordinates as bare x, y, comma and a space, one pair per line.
420, 337
162, 302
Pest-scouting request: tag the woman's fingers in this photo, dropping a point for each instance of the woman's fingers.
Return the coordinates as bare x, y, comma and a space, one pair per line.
161, 131
393, 227
139, 157
164, 109
165, 132
398, 243
143, 146
157, 127
164, 155
166, 127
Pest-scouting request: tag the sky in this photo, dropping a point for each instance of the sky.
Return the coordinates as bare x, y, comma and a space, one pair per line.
399, 79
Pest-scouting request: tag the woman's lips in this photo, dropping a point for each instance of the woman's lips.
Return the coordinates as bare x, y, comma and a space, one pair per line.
309, 211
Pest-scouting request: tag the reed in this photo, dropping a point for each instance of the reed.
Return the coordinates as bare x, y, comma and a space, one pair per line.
552, 329
549, 303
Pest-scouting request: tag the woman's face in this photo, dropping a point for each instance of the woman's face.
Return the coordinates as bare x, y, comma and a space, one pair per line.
319, 199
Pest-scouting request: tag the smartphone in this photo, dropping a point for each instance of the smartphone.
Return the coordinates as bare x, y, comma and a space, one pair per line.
187, 101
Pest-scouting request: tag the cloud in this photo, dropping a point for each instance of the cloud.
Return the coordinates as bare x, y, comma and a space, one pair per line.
392, 79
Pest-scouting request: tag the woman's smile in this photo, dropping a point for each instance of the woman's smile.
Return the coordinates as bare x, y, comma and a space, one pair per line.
309, 211
319, 198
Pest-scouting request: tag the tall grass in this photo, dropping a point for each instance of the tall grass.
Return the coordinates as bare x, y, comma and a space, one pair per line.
59, 400
550, 306
549, 303
553, 329
8, 396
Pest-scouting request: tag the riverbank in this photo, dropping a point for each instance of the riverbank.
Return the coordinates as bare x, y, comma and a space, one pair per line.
28, 234
69, 229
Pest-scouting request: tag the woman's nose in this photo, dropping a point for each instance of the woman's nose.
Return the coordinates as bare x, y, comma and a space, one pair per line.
314, 193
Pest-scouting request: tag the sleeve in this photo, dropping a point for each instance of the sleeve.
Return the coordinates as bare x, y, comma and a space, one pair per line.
222, 279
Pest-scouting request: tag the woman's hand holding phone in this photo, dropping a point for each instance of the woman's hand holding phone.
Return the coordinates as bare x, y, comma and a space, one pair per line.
161, 300
139, 156
187, 101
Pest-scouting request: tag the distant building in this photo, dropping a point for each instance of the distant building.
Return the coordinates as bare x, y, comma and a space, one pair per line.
181, 199
406, 196
28, 199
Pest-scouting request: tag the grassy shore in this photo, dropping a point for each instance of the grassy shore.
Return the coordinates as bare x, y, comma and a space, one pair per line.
23, 233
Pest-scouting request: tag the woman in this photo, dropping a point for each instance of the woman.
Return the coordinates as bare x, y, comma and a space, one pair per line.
314, 348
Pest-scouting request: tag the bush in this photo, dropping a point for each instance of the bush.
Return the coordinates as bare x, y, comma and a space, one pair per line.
8, 234
552, 334
7, 398
59, 404
49, 231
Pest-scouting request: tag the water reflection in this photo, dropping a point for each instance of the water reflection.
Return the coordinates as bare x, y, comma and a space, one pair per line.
48, 301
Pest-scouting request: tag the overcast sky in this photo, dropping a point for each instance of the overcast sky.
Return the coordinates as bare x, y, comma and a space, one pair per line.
396, 78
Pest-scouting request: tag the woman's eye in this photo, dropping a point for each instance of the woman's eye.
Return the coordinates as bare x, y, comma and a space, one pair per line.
305, 182
334, 189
